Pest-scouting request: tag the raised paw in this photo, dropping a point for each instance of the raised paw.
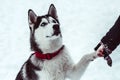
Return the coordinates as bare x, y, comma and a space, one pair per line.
91, 56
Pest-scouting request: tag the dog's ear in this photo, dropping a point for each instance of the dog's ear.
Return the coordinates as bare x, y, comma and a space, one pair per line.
52, 11
32, 17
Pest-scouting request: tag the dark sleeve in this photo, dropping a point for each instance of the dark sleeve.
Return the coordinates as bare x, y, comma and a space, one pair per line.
112, 37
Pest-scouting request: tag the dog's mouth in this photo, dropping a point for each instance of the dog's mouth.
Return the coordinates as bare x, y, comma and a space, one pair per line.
56, 32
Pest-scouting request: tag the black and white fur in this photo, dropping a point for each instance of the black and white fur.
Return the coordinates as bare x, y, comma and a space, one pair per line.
45, 37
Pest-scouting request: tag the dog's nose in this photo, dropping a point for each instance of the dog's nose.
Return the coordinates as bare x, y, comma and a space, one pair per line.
56, 27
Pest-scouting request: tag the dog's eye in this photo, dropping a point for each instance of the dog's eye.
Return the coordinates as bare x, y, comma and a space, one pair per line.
53, 21
43, 24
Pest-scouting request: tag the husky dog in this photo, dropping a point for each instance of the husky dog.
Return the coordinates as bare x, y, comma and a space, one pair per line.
50, 60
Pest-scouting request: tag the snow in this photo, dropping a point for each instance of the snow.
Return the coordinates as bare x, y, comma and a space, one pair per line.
83, 23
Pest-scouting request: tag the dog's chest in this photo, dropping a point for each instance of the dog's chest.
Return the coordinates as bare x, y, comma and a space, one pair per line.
53, 69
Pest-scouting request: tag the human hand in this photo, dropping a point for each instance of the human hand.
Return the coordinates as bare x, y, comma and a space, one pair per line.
103, 51
100, 51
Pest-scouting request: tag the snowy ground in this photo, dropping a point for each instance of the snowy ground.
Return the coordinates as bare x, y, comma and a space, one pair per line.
83, 23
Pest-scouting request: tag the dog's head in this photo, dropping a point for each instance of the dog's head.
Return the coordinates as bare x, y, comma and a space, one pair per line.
45, 30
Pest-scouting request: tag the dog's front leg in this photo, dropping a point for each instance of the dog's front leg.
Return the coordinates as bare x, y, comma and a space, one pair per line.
77, 70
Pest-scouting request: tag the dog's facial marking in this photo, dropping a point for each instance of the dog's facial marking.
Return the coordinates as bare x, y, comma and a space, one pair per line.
48, 28
47, 31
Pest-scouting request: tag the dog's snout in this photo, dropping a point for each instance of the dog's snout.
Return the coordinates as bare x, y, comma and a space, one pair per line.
56, 27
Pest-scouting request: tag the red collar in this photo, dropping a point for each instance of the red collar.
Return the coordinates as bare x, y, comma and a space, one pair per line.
48, 56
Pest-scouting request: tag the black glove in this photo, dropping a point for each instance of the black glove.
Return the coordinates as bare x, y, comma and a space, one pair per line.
107, 57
